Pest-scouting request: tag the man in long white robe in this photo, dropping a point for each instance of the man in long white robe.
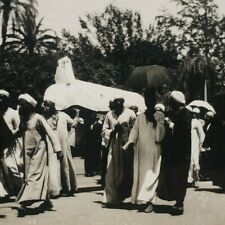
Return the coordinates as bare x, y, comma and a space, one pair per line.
59, 121
115, 133
34, 129
147, 134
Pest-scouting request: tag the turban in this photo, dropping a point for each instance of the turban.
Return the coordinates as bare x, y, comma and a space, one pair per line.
160, 106
178, 97
4, 93
28, 99
210, 113
189, 108
196, 110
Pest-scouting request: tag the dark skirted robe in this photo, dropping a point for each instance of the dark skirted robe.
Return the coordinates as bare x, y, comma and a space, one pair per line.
215, 140
118, 180
93, 148
176, 154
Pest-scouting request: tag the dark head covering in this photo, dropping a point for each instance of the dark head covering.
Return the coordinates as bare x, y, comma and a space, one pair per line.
118, 102
49, 103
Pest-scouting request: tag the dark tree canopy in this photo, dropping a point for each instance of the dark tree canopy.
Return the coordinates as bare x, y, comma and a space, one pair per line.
110, 44
114, 42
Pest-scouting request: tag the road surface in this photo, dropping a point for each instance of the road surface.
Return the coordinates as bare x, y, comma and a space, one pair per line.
202, 207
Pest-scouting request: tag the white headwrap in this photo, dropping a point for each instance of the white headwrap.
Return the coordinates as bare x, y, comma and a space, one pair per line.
178, 96
28, 99
160, 106
189, 108
196, 110
210, 113
4, 93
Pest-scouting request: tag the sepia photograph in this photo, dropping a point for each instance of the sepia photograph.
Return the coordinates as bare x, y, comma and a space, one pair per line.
112, 112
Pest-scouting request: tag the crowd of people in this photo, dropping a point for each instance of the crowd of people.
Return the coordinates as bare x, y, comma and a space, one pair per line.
156, 153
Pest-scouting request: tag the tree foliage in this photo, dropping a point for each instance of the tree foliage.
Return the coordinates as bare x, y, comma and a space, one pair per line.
13, 10
198, 34
20, 73
27, 36
113, 42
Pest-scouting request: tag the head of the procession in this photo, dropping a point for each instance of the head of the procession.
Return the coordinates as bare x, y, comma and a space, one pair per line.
101, 118
111, 106
48, 107
91, 118
134, 108
196, 112
177, 100
160, 107
150, 98
27, 105
118, 105
209, 115
4, 101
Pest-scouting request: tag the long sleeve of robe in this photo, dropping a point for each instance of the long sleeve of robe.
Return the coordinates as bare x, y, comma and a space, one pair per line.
35, 187
106, 130
12, 119
13, 154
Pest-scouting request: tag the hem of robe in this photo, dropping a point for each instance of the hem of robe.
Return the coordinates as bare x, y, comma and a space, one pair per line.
36, 199
26, 193
140, 202
31, 201
105, 200
54, 193
3, 192
68, 176
68, 188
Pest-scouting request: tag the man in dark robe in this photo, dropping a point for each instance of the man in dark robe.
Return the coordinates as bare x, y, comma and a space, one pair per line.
216, 142
93, 146
176, 153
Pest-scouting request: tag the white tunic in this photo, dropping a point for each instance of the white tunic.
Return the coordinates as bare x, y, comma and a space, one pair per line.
147, 158
197, 138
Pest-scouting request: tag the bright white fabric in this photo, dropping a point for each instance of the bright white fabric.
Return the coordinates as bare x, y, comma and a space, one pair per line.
28, 99
147, 157
178, 96
197, 138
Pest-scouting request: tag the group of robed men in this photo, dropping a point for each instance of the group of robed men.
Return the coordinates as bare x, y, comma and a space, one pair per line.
149, 154
159, 149
47, 166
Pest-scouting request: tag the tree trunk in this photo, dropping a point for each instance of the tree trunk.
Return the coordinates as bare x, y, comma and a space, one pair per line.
205, 91
5, 21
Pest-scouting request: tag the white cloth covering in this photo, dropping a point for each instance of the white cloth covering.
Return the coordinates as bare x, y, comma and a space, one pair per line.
147, 157
28, 99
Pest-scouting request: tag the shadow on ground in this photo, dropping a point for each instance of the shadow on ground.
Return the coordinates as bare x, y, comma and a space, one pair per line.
215, 190
89, 189
163, 209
